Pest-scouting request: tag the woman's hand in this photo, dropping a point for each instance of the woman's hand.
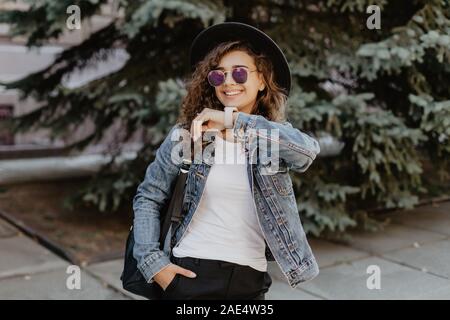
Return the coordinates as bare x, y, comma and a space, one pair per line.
207, 119
166, 275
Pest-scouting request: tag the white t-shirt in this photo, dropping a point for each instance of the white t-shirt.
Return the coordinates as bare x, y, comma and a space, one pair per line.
225, 226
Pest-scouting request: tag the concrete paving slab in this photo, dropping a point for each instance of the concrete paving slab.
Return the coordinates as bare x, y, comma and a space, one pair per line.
6, 230
440, 207
432, 257
328, 253
110, 272
21, 255
349, 281
275, 272
282, 291
393, 237
52, 285
432, 218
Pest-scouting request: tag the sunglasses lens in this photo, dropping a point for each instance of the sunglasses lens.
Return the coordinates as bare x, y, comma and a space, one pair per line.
240, 75
216, 78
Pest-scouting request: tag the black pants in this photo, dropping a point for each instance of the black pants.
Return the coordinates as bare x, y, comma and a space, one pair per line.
217, 280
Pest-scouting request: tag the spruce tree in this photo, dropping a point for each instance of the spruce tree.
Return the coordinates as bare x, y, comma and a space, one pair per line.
384, 92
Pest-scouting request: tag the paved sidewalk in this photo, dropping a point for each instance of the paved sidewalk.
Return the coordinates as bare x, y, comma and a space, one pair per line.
412, 254
30, 271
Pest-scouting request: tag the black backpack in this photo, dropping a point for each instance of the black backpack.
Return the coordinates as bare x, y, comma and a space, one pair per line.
132, 279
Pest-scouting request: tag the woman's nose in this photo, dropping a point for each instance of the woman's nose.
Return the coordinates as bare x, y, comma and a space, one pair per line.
228, 78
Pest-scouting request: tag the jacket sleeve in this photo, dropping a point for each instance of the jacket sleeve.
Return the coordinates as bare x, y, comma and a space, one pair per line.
297, 149
151, 195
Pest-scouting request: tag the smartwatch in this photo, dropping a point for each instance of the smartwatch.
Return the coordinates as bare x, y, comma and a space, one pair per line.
228, 121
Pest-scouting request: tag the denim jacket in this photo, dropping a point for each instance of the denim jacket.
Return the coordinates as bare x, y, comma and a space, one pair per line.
273, 196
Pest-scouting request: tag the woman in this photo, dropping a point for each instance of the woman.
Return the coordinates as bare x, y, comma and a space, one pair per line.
239, 210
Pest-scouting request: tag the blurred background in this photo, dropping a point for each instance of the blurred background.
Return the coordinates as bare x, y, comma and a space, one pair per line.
90, 88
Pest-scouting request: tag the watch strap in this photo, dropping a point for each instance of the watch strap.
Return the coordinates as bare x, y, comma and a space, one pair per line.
228, 121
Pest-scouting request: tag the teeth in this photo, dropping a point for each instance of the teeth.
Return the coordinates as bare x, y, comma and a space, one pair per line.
232, 93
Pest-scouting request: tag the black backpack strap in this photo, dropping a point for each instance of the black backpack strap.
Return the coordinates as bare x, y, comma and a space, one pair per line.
174, 212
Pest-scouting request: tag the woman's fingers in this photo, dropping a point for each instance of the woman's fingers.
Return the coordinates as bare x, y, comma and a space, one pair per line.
215, 125
193, 126
213, 118
185, 272
197, 128
198, 123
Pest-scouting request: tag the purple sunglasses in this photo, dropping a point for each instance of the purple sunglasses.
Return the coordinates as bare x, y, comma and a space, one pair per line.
217, 77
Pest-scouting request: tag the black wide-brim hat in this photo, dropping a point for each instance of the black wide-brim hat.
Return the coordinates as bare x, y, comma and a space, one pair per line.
231, 31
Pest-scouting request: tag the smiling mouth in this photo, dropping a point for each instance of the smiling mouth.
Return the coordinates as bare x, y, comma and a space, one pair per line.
232, 93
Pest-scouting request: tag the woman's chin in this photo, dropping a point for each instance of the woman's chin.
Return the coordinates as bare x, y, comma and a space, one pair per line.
231, 101
236, 99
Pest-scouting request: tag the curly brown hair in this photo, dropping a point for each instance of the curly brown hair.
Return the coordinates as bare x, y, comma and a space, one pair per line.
270, 103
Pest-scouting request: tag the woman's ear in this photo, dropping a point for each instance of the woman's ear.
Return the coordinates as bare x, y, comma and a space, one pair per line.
262, 85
